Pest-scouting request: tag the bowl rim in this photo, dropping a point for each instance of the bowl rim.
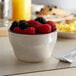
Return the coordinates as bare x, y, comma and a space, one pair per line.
30, 34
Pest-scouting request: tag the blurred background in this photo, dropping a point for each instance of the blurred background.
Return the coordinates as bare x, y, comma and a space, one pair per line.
65, 4
69, 5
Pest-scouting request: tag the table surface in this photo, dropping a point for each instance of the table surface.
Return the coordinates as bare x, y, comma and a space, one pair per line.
9, 65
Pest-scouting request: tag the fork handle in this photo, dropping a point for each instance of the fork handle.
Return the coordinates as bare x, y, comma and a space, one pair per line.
73, 53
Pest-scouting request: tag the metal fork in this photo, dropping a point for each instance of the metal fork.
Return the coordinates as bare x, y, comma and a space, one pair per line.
70, 57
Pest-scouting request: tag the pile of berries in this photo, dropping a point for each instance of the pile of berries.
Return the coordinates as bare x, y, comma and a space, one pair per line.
37, 26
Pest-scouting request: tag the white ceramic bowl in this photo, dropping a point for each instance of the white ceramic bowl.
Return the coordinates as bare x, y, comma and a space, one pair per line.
33, 48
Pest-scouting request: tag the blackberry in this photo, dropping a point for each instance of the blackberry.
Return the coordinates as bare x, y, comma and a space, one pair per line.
41, 20
23, 24
14, 24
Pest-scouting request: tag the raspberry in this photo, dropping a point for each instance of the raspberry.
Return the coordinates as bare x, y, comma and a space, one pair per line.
41, 20
17, 30
14, 24
67, 21
30, 21
52, 25
44, 29
23, 24
30, 30
35, 24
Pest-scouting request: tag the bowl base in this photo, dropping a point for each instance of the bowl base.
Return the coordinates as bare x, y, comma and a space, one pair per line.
33, 61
